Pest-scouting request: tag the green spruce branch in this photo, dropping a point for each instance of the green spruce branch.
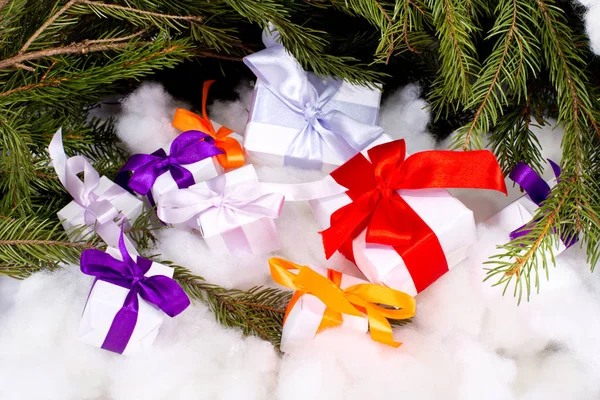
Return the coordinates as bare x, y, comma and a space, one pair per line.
572, 208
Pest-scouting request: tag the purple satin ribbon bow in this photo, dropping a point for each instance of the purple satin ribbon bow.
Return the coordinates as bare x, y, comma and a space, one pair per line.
538, 191
188, 148
159, 290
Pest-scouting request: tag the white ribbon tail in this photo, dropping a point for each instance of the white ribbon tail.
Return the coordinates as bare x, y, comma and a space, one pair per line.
320, 189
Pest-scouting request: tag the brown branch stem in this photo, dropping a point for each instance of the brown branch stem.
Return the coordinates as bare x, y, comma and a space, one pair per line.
137, 11
26, 242
42, 28
77, 48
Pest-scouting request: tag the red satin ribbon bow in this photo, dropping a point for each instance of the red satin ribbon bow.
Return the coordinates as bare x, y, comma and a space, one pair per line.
184, 120
377, 206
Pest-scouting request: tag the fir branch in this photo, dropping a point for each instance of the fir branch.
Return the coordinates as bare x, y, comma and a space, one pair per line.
572, 206
100, 5
30, 244
45, 25
457, 53
258, 311
506, 70
76, 48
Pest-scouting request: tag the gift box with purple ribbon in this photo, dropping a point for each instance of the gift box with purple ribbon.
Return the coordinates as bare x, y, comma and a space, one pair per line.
518, 217
299, 119
190, 160
97, 201
233, 212
128, 299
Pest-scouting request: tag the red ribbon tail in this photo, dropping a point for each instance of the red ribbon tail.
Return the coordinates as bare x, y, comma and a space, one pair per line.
346, 223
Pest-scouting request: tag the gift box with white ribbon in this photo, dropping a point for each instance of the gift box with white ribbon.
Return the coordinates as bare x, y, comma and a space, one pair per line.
299, 119
233, 212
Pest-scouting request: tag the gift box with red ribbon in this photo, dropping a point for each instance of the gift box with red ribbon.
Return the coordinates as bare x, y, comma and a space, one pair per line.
396, 221
325, 298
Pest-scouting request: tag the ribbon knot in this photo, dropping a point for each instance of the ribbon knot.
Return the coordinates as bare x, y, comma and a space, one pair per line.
188, 148
311, 113
217, 201
376, 205
359, 300
284, 77
232, 153
236, 203
159, 290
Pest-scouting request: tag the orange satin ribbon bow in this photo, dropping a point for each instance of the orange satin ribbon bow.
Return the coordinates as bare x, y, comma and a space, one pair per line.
356, 300
185, 120
378, 207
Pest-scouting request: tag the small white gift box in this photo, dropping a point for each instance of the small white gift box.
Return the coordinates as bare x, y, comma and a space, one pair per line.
450, 220
305, 312
268, 136
72, 216
518, 213
169, 168
299, 119
232, 212
104, 302
97, 201
201, 171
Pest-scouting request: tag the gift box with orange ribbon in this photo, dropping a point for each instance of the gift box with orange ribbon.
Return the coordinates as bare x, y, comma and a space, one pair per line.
396, 221
325, 298
200, 152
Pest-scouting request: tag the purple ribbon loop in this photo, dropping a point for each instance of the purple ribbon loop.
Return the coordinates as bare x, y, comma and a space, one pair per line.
538, 191
188, 148
162, 291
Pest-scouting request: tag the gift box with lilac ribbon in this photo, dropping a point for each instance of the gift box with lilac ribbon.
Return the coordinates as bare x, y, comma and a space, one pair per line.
233, 212
128, 299
191, 159
518, 216
299, 119
97, 201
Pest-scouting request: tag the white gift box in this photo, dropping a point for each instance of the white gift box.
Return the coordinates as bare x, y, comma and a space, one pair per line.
72, 215
519, 213
106, 299
252, 234
269, 135
305, 313
201, 171
450, 220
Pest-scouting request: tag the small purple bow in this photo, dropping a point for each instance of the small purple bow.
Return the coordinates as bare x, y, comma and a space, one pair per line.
159, 290
188, 148
538, 191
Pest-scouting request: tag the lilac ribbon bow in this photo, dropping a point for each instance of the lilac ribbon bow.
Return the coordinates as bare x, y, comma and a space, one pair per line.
98, 210
538, 191
159, 290
188, 148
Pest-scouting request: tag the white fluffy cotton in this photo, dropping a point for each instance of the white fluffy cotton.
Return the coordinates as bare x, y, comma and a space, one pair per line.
466, 341
592, 23
404, 116
145, 122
